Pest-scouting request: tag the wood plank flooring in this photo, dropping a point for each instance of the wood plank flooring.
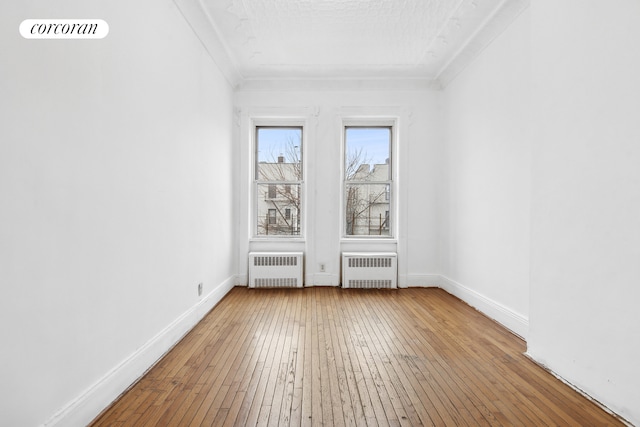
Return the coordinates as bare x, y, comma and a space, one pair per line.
344, 357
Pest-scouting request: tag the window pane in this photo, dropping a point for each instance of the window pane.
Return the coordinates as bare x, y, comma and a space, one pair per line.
279, 154
272, 192
367, 154
367, 210
278, 209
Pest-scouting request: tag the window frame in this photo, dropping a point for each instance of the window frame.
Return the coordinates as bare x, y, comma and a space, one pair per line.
391, 190
256, 125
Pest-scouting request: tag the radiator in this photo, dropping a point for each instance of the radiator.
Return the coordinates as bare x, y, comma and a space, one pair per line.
369, 270
275, 269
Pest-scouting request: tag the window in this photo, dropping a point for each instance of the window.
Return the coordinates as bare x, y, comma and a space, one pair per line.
368, 181
278, 180
272, 191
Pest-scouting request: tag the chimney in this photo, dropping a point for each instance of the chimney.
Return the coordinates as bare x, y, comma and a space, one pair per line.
280, 159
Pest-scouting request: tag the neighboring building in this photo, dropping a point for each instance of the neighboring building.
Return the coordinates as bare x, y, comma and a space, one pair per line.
368, 201
278, 198
279, 208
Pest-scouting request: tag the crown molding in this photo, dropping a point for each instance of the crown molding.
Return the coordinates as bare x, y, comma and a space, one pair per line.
336, 84
205, 29
497, 22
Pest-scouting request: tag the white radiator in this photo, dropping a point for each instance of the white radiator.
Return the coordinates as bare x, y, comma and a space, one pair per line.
275, 269
369, 270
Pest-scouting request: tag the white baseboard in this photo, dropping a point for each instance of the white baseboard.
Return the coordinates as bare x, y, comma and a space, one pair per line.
82, 410
513, 321
539, 361
242, 280
322, 279
89, 404
419, 281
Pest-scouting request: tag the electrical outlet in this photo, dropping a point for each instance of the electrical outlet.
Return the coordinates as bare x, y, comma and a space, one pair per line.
323, 267
199, 289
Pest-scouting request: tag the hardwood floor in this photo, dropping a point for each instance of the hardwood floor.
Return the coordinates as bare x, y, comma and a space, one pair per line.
334, 357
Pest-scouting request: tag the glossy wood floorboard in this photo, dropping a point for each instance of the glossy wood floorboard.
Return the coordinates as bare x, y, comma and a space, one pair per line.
340, 357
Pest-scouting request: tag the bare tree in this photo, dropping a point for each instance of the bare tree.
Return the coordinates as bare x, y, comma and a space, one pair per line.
282, 174
365, 197
361, 197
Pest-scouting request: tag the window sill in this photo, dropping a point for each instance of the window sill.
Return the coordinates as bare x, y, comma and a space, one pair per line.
277, 239
371, 239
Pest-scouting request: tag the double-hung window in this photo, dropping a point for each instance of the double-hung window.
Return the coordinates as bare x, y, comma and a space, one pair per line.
278, 180
368, 181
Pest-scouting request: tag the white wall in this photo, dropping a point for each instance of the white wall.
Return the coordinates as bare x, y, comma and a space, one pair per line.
542, 136
585, 268
323, 110
485, 202
121, 191
115, 171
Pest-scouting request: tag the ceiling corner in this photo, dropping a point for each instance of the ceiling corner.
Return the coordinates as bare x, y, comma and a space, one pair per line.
495, 24
205, 29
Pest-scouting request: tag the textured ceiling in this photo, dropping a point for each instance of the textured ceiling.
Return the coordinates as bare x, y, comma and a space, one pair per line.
311, 39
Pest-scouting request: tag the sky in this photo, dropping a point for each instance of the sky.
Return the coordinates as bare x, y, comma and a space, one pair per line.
273, 142
375, 142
